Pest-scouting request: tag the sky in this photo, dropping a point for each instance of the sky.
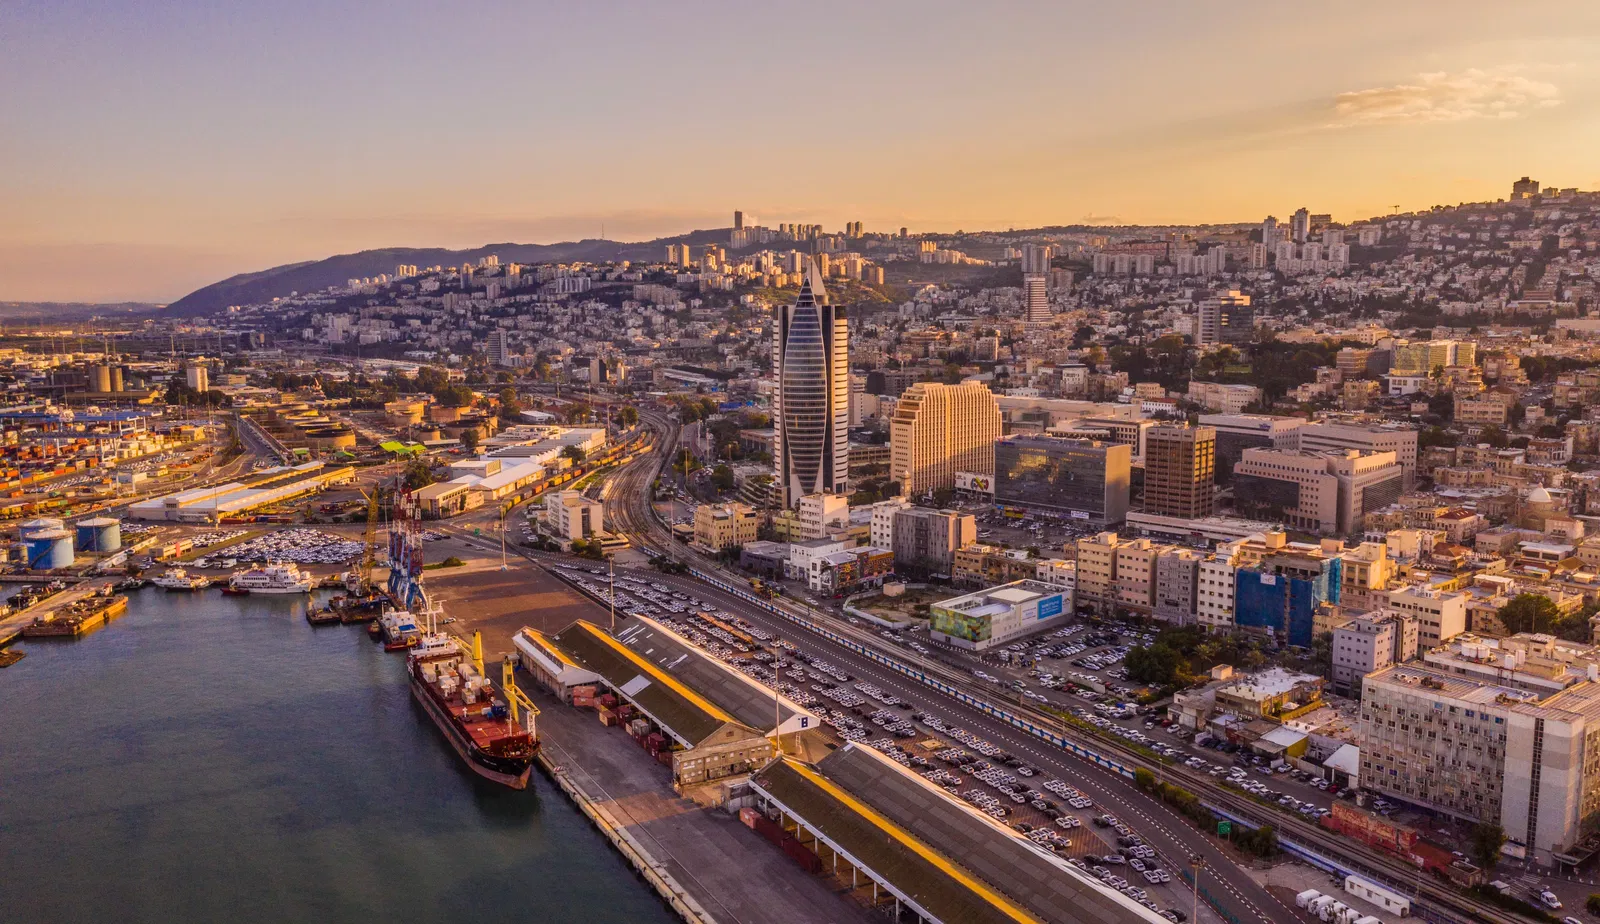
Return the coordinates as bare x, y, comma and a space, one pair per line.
149, 148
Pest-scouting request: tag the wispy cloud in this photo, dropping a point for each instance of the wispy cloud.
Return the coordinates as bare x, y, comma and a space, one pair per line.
1492, 93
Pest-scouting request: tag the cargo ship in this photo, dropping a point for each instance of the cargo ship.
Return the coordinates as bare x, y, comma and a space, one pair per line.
486, 726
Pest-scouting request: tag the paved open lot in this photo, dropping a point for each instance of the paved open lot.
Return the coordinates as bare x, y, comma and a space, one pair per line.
731, 870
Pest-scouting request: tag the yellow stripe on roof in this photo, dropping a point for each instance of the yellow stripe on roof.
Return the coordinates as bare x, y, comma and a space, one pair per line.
1011, 909
545, 645
659, 675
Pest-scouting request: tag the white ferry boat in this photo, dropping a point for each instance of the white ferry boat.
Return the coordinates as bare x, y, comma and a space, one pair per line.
179, 579
272, 578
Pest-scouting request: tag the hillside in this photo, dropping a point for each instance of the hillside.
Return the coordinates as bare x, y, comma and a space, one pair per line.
263, 286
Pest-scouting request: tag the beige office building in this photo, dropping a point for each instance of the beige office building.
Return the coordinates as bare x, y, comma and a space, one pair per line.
724, 526
938, 430
1180, 471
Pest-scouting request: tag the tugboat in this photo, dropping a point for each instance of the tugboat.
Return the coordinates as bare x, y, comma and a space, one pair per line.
487, 728
177, 579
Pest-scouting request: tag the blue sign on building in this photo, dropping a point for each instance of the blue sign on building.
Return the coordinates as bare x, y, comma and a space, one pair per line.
1050, 606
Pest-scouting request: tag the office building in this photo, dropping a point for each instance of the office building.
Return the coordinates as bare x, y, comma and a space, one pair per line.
1082, 480
1371, 642
926, 540
811, 410
1402, 441
1498, 731
1326, 492
998, 614
571, 516
1238, 432
938, 430
1225, 318
1179, 471
720, 527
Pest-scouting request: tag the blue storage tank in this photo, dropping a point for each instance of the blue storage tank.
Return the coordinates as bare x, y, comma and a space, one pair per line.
50, 548
100, 534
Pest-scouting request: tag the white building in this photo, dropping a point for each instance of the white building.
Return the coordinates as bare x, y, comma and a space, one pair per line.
571, 516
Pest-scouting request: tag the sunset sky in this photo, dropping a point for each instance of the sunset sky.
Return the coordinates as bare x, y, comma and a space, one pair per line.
150, 148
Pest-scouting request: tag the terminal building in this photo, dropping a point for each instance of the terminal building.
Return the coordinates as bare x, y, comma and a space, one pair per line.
996, 615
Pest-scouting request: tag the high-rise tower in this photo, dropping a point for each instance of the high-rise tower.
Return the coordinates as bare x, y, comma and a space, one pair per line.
811, 420
1035, 274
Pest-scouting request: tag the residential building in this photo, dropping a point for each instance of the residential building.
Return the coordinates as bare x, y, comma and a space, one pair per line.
197, 376
495, 349
938, 430
1441, 614
1214, 587
1136, 576
996, 615
926, 540
1083, 480
1221, 397
724, 526
1371, 642
1271, 692
822, 514
1367, 573
1179, 471
811, 410
1097, 572
881, 529
1177, 581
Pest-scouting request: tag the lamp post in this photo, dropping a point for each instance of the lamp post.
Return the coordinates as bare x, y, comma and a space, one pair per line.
1196, 863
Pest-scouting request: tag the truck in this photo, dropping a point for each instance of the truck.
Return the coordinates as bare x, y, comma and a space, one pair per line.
1320, 906
1306, 898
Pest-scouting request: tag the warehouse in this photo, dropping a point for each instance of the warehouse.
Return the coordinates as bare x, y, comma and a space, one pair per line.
210, 505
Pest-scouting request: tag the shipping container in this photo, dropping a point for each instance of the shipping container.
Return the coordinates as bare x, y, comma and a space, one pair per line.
1386, 898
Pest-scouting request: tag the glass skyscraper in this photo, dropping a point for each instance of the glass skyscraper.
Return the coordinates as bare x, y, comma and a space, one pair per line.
811, 420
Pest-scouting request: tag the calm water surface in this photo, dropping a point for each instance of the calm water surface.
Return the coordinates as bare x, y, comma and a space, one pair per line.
211, 758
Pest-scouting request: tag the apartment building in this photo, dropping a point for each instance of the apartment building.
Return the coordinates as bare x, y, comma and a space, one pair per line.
926, 540
1177, 580
1441, 614
1213, 602
1135, 579
823, 514
1371, 642
1097, 572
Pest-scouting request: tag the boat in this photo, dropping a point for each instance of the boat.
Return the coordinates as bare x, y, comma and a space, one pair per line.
179, 579
398, 629
489, 730
234, 590
132, 583
322, 616
272, 578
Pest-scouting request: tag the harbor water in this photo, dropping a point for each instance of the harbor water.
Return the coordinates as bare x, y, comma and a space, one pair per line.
213, 758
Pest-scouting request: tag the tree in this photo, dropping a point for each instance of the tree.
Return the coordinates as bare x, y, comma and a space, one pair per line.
575, 453
469, 439
722, 478
1528, 612
1493, 436
510, 407
628, 416
418, 474
1593, 904
1486, 841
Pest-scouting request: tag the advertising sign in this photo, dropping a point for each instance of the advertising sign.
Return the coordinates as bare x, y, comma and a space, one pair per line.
1050, 606
972, 481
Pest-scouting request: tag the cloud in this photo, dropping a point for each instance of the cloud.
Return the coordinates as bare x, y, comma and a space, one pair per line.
1494, 93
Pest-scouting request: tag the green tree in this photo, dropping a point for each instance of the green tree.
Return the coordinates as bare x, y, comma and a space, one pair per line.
722, 478
1592, 905
469, 439
575, 453
1529, 613
1486, 841
1493, 436
628, 416
418, 474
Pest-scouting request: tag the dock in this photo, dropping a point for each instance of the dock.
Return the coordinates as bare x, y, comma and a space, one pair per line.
77, 618
703, 862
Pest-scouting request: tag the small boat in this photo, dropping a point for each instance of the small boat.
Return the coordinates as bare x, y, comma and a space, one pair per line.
401, 644
322, 616
234, 590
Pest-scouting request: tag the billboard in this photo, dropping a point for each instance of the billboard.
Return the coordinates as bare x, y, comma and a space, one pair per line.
972, 481
1050, 606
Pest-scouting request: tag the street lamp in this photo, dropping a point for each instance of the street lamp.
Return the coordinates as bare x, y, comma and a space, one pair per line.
1196, 863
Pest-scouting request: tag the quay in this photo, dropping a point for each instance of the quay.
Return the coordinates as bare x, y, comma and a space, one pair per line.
709, 867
